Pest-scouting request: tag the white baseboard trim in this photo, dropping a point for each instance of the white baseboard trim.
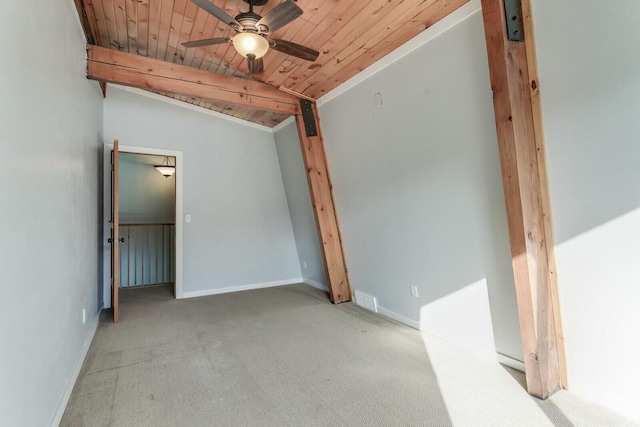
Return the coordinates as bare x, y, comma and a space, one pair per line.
316, 284
194, 294
395, 316
503, 359
510, 362
55, 422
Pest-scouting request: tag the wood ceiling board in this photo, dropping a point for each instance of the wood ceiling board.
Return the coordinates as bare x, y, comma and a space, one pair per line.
121, 24
143, 26
368, 55
178, 19
350, 35
329, 26
110, 22
166, 13
354, 21
262, 117
96, 16
132, 24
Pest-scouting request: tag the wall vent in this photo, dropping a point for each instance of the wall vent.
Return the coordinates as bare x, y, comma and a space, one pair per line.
366, 301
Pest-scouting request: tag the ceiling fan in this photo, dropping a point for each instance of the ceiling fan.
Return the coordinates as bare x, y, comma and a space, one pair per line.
252, 29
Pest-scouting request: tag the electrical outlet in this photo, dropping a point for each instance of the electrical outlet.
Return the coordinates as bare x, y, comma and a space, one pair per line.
187, 218
414, 291
84, 316
305, 265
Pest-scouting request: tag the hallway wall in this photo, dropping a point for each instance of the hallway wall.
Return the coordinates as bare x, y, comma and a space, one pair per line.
145, 195
50, 182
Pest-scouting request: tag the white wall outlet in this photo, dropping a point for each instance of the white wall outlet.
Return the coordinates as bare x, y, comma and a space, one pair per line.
414, 291
305, 265
187, 218
84, 316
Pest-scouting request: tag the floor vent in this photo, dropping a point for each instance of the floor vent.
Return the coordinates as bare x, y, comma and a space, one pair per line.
366, 301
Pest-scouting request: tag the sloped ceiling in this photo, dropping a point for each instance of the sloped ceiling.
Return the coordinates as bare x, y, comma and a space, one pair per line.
350, 36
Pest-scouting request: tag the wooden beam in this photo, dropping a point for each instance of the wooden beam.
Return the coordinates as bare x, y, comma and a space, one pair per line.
536, 109
516, 99
320, 187
108, 65
87, 22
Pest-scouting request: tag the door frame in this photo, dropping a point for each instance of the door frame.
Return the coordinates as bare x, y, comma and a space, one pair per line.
108, 147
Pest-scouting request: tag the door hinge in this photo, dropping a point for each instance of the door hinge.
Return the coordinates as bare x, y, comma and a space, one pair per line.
515, 24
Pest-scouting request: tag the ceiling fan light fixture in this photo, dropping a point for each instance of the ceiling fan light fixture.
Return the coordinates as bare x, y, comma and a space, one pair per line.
250, 44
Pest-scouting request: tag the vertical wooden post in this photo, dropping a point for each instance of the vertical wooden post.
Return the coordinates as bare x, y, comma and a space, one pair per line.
315, 162
513, 72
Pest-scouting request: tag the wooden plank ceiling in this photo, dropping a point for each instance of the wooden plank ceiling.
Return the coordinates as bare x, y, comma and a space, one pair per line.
350, 36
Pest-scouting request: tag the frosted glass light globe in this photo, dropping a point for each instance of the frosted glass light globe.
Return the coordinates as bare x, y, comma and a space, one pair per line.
250, 44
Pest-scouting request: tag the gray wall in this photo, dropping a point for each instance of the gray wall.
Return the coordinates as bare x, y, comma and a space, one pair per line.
50, 133
241, 231
145, 195
589, 63
419, 194
303, 220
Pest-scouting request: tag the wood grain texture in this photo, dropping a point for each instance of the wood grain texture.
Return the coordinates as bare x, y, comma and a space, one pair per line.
350, 36
321, 190
261, 117
133, 70
536, 109
524, 175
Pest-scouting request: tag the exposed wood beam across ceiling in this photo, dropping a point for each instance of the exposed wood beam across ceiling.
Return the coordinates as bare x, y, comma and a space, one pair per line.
108, 65
513, 72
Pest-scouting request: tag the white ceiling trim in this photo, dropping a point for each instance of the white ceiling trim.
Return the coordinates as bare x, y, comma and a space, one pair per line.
283, 124
460, 14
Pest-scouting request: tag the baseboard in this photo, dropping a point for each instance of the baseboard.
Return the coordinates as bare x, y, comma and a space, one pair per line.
55, 422
194, 294
510, 362
316, 284
395, 316
503, 359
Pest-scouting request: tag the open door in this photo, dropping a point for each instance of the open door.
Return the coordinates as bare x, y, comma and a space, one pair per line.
115, 234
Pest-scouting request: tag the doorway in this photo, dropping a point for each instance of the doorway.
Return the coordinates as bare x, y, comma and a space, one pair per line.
150, 251
146, 220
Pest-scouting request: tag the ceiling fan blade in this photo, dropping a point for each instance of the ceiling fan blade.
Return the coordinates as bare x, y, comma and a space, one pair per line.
207, 42
256, 66
280, 15
295, 49
217, 12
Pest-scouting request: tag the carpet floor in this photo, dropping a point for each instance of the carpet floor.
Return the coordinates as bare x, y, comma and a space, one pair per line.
286, 356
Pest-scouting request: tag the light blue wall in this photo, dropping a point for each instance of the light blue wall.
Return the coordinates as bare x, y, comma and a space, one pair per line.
50, 182
303, 220
589, 66
419, 193
241, 232
145, 195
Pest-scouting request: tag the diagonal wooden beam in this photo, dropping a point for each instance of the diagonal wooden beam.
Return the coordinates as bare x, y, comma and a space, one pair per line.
516, 99
321, 190
108, 65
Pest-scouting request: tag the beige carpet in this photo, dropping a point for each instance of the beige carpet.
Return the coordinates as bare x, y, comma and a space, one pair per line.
286, 357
